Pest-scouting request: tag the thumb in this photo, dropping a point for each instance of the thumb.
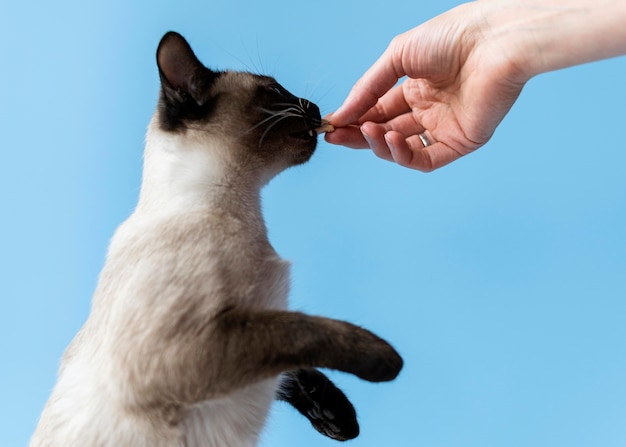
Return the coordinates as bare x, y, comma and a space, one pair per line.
376, 81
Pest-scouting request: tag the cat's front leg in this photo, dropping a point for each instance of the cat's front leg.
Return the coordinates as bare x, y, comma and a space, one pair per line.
321, 402
259, 344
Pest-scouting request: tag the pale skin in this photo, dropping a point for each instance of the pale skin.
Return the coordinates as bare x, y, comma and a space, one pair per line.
464, 70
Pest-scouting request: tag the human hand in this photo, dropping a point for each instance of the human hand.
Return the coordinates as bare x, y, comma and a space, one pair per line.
460, 84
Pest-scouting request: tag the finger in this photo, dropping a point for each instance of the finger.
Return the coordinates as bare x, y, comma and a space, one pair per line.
352, 136
405, 124
389, 106
376, 81
349, 136
411, 152
374, 135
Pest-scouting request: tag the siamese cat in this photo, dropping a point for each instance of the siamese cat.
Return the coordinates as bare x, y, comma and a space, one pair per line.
189, 337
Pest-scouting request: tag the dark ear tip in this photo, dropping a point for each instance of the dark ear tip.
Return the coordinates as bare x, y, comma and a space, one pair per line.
170, 35
172, 41
182, 75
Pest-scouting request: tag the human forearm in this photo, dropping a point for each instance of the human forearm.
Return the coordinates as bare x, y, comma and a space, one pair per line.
546, 35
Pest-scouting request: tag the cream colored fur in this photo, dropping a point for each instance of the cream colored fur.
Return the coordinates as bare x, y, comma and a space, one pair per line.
188, 331
94, 403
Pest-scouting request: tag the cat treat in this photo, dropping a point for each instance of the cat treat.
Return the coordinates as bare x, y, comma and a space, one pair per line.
325, 127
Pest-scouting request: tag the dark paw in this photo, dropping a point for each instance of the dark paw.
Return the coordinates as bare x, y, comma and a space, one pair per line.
378, 360
325, 405
381, 369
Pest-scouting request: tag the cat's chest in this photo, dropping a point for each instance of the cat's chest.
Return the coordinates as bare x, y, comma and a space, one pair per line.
244, 263
271, 284
203, 256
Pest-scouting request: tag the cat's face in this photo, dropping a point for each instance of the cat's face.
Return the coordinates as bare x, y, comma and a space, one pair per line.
266, 126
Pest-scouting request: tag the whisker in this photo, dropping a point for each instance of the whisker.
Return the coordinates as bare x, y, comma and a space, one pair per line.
289, 109
269, 128
275, 115
299, 106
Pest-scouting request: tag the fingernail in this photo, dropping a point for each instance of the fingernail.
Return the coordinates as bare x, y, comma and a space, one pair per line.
392, 148
367, 138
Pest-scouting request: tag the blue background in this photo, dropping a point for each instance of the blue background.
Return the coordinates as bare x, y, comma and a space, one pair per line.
501, 278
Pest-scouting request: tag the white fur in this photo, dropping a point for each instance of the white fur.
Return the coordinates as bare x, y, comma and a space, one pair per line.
89, 407
180, 173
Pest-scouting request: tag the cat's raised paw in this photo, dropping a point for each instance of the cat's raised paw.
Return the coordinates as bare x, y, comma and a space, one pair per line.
381, 368
321, 402
372, 358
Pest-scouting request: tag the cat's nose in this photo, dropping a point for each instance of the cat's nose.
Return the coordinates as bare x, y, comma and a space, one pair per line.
310, 108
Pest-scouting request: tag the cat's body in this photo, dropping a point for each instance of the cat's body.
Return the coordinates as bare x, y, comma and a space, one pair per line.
189, 332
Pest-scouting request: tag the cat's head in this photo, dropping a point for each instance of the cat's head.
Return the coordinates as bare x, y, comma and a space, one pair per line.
263, 125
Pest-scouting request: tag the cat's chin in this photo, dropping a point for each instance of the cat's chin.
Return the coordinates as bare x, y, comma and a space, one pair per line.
304, 141
306, 136
305, 152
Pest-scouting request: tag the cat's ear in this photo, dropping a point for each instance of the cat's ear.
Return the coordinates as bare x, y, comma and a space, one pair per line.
183, 77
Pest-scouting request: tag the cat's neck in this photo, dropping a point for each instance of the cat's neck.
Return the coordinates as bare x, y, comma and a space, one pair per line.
182, 174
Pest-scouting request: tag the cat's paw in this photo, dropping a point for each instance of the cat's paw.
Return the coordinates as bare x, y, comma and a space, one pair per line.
382, 368
321, 402
377, 360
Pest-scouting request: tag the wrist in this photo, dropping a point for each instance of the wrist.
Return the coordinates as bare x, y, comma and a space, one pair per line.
545, 35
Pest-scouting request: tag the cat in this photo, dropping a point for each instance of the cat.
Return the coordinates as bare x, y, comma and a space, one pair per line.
189, 335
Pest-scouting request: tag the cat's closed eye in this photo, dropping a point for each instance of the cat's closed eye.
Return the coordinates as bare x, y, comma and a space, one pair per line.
276, 89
